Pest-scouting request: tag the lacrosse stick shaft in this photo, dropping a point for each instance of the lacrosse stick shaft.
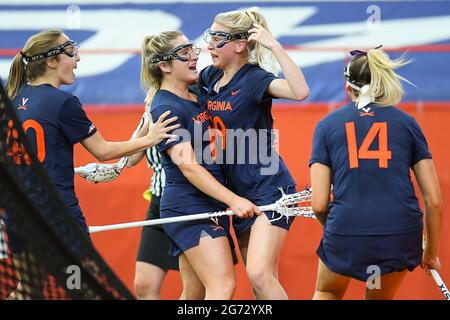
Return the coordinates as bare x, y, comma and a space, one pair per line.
154, 222
436, 276
440, 283
272, 207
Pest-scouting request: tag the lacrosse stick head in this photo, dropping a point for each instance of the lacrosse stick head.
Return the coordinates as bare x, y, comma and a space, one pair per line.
122, 163
296, 204
83, 171
97, 172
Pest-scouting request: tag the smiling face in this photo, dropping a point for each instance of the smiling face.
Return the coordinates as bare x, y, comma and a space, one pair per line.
185, 71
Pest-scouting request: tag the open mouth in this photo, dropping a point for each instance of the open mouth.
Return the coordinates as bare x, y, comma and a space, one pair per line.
193, 67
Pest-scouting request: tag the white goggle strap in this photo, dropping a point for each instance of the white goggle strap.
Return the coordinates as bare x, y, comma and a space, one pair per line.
365, 96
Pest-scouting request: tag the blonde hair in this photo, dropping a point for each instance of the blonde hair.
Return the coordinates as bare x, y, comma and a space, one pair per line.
21, 72
242, 21
151, 74
378, 70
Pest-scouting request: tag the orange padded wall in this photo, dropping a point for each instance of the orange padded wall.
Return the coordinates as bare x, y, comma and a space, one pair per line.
122, 200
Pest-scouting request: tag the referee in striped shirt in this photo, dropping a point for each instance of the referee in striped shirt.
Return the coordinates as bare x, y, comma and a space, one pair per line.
158, 178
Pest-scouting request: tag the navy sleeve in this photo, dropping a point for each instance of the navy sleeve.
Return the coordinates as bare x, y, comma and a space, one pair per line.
182, 132
420, 150
73, 122
259, 81
320, 152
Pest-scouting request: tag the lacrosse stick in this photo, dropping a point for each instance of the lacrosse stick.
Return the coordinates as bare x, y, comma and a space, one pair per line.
289, 205
440, 283
437, 277
99, 172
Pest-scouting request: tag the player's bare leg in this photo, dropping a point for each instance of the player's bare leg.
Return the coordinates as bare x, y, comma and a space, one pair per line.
243, 240
193, 289
389, 284
329, 285
263, 253
148, 281
213, 263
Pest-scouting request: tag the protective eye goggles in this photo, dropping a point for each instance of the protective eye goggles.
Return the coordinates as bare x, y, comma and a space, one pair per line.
219, 38
184, 52
69, 48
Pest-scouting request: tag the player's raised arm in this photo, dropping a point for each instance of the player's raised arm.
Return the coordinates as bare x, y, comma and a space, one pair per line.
294, 85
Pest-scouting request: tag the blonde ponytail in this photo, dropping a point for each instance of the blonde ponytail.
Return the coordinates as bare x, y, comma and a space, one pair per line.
148, 83
385, 83
17, 76
377, 70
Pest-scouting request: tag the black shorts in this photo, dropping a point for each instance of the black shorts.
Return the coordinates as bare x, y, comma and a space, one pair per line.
154, 245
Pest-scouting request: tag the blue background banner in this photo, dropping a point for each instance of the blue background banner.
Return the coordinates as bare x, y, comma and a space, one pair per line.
317, 35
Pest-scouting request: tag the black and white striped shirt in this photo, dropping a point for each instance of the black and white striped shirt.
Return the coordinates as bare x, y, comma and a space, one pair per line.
3, 246
158, 178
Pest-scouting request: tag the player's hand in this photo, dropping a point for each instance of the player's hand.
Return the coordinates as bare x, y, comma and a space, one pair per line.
430, 262
244, 208
158, 131
260, 34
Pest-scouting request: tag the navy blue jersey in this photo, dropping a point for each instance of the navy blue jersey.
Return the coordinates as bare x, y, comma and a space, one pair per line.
252, 169
195, 127
54, 121
370, 152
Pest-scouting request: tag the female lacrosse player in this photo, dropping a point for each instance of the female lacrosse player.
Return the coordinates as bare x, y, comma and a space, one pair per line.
54, 119
240, 97
366, 150
153, 258
193, 181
